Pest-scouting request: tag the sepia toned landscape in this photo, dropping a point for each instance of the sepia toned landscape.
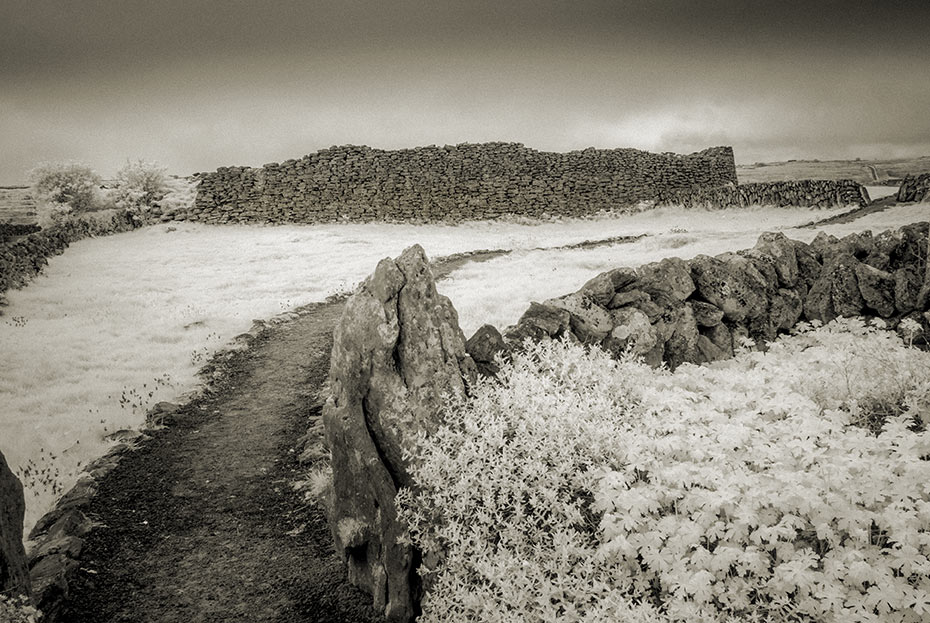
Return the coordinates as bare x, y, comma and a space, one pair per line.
584, 312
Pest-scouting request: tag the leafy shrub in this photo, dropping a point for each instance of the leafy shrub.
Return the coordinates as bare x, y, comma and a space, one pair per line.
63, 188
18, 610
140, 185
747, 490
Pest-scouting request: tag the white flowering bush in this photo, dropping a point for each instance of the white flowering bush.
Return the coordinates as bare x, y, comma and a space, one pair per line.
579, 488
62, 189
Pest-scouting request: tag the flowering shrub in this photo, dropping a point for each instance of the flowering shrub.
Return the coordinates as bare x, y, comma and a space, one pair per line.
18, 610
63, 188
140, 186
579, 488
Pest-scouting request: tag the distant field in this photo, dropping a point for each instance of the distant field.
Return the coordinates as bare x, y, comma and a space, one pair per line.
16, 205
863, 171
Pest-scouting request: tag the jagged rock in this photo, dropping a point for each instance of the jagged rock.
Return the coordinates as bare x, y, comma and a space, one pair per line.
732, 283
705, 314
708, 351
589, 321
632, 330
809, 267
539, 321
681, 344
628, 297
836, 291
859, 244
877, 288
721, 337
397, 351
786, 309
907, 283
601, 289
14, 576
782, 251
483, 346
824, 245
667, 282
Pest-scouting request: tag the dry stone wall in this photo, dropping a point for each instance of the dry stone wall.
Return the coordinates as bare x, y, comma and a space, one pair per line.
819, 193
22, 258
398, 349
698, 310
14, 576
915, 188
460, 182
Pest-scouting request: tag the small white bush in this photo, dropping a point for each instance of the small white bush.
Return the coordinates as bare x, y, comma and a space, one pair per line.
64, 188
750, 490
140, 185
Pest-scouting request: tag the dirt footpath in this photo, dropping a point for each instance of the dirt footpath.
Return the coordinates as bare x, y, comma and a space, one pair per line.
202, 524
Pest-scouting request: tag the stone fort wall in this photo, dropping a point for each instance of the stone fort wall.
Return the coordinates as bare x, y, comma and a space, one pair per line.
460, 182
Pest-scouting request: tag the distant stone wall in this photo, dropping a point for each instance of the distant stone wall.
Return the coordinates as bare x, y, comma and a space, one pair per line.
461, 182
808, 193
915, 188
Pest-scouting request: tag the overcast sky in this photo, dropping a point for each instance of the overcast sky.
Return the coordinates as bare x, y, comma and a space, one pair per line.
195, 85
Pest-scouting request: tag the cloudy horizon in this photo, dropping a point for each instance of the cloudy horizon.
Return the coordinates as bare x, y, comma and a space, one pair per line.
196, 85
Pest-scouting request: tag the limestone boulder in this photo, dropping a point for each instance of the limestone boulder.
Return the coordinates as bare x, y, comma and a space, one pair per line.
667, 282
907, 283
732, 283
836, 291
681, 344
705, 314
538, 322
602, 288
589, 321
721, 337
784, 258
14, 575
708, 351
877, 288
786, 309
397, 353
483, 348
631, 331
824, 245
628, 297
809, 267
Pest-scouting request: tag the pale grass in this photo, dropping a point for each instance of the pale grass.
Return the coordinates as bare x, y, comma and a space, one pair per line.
121, 316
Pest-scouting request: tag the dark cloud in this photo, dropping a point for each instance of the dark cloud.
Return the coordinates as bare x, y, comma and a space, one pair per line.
202, 84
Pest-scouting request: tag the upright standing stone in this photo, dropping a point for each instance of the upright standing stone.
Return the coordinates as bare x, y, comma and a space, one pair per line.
398, 352
14, 575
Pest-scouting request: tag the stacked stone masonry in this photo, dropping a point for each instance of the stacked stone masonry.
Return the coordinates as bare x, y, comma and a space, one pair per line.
808, 193
915, 188
461, 182
701, 310
398, 347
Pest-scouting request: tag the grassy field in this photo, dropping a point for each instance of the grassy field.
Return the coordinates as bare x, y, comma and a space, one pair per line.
866, 172
119, 322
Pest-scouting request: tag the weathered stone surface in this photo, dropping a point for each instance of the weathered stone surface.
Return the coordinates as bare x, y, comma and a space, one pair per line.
601, 289
823, 245
484, 346
667, 282
705, 314
708, 351
786, 309
858, 244
732, 283
782, 251
14, 576
836, 291
589, 321
809, 267
539, 321
721, 337
907, 283
632, 330
627, 297
877, 288
398, 350
681, 345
